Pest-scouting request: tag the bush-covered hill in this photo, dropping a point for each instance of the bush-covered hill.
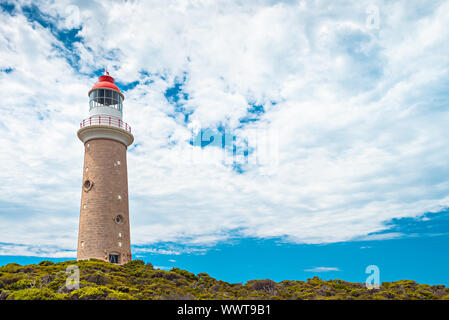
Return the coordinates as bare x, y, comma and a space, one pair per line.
137, 280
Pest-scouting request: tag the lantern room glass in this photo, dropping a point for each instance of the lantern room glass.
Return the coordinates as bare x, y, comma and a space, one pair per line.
105, 98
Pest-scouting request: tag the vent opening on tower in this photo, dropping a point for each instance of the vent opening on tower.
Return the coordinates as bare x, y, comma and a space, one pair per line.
118, 219
87, 185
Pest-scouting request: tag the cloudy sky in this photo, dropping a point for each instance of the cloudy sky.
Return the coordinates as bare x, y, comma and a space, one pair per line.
337, 113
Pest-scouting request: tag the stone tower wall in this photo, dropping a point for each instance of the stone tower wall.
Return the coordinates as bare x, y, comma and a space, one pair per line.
104, 198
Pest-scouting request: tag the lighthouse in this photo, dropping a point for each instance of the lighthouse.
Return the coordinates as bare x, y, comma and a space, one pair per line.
104, 231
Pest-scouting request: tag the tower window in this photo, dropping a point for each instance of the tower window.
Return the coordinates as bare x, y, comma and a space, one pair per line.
118, 162
119, 234
119, 244
113, 258
82, 244
119, 197
118, 219
87, 169
84, 206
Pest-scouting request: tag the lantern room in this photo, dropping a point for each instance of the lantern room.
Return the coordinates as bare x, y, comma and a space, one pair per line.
105, 98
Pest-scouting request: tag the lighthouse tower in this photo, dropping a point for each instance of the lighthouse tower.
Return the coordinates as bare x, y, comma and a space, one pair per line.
104, 216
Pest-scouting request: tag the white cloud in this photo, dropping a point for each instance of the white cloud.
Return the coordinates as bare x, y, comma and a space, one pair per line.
174, 251
382, 236
163, 268
158, 251
322, 269
35, 251
361, 116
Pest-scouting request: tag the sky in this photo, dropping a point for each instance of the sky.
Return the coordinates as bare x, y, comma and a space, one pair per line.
273, 139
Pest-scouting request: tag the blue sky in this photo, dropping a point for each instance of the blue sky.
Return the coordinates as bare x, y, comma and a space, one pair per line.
351, 97
409, 256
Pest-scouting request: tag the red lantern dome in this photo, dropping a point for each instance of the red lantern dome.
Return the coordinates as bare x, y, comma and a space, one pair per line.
107, 82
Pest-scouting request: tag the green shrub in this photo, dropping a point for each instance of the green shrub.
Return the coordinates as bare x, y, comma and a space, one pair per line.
25, 283
166, 275
266, 285
11, 268
57, 282
4, 294
124, 289
386, 285
315, 281
405, 283
186, 274
119, 296
8, 279
91, 293
134, 263
97, 278
35, 294
339, 286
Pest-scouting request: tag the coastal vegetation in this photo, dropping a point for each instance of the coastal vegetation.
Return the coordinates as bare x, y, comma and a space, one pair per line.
138, 280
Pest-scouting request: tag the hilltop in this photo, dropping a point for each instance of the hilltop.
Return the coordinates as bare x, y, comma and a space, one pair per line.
137, 280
